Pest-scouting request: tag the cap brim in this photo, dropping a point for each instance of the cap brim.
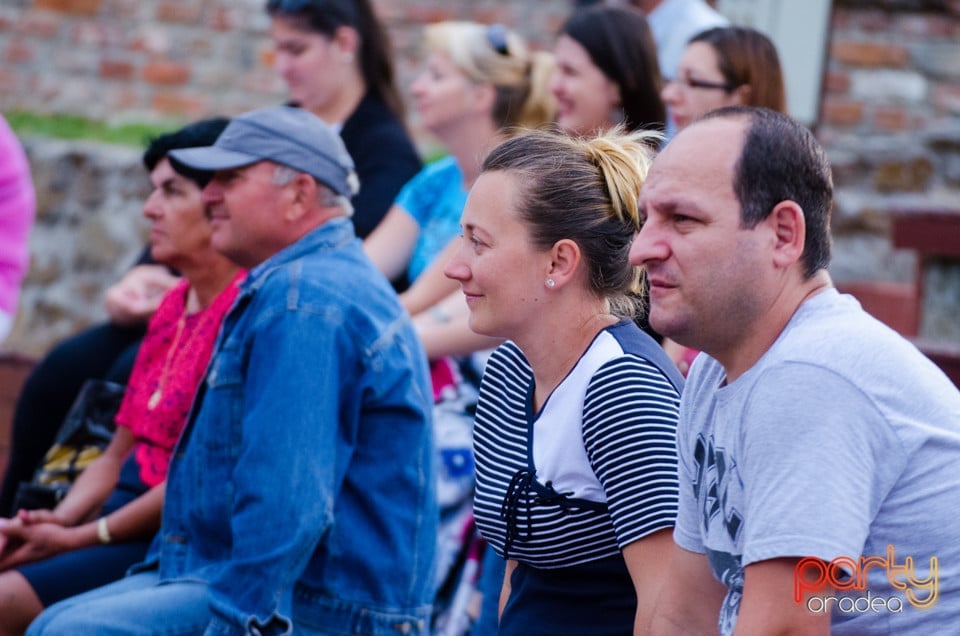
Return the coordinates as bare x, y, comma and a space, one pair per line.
212, 158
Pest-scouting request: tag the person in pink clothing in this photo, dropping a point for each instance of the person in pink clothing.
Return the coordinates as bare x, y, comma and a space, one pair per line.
17, 210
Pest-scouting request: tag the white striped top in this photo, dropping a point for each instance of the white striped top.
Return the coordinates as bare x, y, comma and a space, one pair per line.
595, 469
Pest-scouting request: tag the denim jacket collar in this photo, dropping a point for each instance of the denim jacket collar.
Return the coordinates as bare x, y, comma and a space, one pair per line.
333, 233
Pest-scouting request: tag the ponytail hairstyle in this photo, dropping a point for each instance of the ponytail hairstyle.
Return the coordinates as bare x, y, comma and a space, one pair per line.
585, 190
326, 16
492, 54
620, 43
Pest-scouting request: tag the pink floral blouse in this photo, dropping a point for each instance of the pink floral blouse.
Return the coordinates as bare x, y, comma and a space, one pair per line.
168, 370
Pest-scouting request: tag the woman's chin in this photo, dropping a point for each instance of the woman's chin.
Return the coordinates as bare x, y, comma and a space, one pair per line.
479, 326
567, 123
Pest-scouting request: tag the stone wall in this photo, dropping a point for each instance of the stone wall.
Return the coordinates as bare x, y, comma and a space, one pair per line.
890, 121
89, 229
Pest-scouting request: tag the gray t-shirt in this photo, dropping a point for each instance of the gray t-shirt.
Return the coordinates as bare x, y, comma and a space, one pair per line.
842, 441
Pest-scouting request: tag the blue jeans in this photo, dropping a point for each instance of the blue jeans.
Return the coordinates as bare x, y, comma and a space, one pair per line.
491, 583
133, 605
139, 605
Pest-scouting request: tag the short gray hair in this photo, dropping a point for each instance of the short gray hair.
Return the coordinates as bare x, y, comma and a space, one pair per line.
283, 175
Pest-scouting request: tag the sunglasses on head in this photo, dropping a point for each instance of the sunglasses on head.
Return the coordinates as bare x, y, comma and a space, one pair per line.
288, 5
497, 38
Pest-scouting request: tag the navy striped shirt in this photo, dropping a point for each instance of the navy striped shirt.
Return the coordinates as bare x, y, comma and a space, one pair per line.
595, 469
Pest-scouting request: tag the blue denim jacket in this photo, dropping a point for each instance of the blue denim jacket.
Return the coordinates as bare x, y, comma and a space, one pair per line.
303, 482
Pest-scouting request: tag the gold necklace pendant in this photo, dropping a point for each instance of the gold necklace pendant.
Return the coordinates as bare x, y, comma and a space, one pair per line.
167, 365
154, 399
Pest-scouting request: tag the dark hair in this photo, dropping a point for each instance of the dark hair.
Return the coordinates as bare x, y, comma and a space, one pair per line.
619, 42
326, 16
782, 161
201, 133
585, 190
747, 57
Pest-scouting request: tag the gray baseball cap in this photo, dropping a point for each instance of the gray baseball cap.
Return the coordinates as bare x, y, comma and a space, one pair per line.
285, 135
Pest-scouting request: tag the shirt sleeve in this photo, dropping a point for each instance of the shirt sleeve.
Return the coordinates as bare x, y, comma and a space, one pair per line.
629, 428
686, 533
818, 458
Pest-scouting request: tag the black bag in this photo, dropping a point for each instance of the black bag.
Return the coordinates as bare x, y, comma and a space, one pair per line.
85, 432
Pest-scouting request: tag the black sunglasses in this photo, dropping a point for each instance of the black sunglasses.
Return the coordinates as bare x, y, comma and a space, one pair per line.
696, 83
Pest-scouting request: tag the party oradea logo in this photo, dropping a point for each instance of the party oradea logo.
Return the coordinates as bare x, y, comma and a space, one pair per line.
847, 576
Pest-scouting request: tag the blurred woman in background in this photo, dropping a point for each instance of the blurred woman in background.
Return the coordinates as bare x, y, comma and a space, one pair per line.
607, 72
725, 66
334, 56
478, 83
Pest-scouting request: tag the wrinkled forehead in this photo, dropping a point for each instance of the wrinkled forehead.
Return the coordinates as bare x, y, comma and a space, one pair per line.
703, 154
695, 170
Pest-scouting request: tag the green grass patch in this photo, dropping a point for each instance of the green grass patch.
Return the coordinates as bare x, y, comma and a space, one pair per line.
26, 123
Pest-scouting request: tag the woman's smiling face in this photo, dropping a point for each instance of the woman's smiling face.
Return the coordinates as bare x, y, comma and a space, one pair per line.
585, 96
499, 270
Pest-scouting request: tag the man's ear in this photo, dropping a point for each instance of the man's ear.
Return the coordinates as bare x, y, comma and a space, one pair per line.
565, 257
303, 190
790, 233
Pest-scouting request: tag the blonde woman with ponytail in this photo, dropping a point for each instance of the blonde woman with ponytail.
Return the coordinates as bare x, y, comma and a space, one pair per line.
479, 82
576, 420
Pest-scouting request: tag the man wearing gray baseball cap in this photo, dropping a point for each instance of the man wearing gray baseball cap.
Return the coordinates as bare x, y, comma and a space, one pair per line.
253, 145
300, 496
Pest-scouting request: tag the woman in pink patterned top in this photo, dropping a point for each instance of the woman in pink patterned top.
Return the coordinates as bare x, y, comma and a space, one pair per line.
106, 521
169, 367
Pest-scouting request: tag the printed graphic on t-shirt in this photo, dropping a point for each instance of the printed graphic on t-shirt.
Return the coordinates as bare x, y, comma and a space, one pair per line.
714, 474
729, 569
718, 488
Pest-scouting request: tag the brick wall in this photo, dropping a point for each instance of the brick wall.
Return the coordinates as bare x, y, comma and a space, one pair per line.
891, 121
133, 59
153, 59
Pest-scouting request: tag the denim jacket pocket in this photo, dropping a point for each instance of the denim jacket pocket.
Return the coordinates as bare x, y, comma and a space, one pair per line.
225, 391
225, 369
